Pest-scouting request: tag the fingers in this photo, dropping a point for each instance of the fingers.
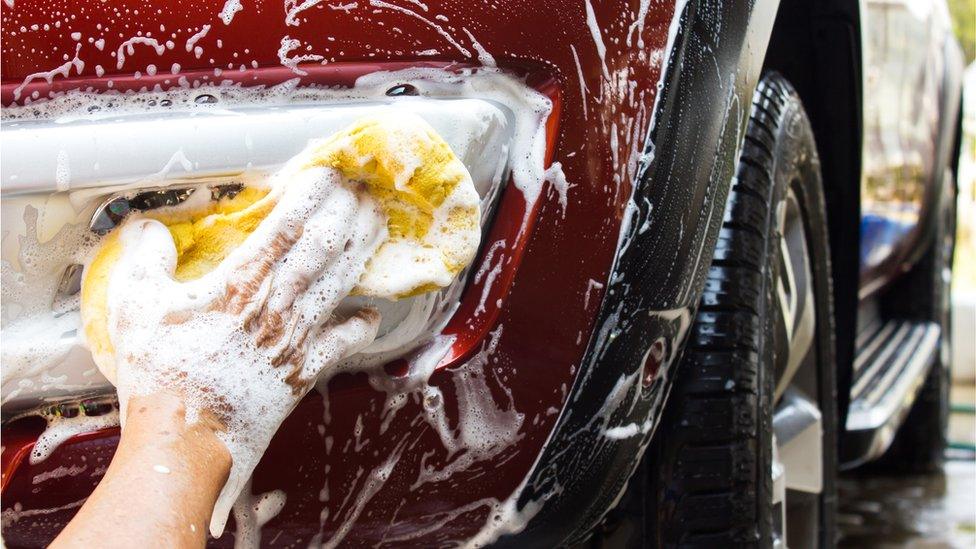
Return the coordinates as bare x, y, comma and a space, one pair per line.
141, 275
327, 262
336, 341
285, 280
313, 255
291, 207
259, 265
321, 267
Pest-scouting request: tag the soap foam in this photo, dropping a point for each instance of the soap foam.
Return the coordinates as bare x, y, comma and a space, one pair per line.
60, 429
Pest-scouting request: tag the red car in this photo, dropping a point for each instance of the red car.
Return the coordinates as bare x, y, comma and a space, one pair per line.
713, 271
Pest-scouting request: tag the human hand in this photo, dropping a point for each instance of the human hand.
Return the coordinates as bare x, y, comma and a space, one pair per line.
245, 342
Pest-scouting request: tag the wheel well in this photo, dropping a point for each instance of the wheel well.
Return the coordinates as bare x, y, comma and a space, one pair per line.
816, 46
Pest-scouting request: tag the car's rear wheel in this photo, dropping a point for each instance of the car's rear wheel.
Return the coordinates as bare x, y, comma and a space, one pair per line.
745, 452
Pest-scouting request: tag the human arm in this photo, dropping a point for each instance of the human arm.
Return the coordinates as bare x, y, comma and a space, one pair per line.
161, 485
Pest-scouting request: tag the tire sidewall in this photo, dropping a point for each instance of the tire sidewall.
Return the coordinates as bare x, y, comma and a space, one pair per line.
797, 169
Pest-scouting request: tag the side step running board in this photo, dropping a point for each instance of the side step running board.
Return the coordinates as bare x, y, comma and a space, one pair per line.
892, 361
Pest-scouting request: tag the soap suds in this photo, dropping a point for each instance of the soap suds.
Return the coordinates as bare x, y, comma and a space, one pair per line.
37, 338
287, 45
62, 174
437, 28
347, 228
554, 175
582, 83
484, 426
348, 7
231, 7
191, 42
491, 424
597, 36
488, 275
590, 286
338, 190
129, 47
16, 513
64, 70
484, 57
525, 160
60, 429
59, 472
294, 7
531, 108
627, 431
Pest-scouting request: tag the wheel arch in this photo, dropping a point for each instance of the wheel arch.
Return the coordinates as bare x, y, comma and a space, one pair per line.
658, 273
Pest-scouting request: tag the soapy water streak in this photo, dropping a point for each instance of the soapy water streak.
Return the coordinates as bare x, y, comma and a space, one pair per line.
129, 47
64, 70
484, 429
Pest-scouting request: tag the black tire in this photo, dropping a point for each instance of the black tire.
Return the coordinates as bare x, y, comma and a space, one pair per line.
920, 443
709, 463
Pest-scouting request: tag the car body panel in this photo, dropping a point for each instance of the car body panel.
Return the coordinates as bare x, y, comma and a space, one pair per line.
351, 466
541, 405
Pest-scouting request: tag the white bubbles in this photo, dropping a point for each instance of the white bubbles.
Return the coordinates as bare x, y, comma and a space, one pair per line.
128, 48
60, 429
490, 425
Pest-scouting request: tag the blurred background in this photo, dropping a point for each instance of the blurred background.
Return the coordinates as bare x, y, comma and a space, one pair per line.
964, 279
937, 510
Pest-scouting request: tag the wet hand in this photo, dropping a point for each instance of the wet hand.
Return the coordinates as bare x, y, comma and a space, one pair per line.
245, 342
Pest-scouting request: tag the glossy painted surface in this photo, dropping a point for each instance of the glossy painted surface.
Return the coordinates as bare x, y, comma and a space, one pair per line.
353, 467
904, 45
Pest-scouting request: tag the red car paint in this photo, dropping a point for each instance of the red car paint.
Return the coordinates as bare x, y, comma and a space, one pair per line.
542, 327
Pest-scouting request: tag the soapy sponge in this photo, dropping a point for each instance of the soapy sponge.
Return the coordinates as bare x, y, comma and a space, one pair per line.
431, 207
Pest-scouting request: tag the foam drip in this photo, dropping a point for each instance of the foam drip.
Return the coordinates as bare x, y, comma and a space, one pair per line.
252, 512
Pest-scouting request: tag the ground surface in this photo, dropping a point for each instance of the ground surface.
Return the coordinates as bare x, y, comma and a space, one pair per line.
917, 511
